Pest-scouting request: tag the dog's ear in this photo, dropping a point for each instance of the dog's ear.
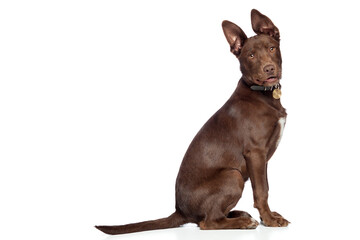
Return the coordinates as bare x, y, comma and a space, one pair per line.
262, 24
235, 36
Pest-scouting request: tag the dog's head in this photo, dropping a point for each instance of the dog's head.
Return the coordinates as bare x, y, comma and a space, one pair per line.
259, 56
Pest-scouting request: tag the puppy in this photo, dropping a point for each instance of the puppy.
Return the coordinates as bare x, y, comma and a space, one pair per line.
235, 144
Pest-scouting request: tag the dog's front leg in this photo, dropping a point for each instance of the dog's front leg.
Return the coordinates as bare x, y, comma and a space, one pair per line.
257, 168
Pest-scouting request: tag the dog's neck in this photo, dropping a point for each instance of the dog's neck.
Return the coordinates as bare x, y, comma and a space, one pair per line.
269, 91
258, 87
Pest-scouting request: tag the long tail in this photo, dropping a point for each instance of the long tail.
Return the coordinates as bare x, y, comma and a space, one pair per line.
174, 220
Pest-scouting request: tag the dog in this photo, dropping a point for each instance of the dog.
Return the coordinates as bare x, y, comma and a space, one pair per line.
235, 144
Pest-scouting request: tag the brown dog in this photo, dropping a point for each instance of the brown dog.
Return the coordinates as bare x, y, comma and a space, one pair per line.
236, 143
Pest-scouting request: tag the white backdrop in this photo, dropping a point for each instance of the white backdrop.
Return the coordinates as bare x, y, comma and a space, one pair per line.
99, 101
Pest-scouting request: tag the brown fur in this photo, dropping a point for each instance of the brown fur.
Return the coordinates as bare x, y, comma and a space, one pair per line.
235, 144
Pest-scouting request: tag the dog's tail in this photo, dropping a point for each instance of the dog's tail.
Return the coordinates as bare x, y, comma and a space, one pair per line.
174, 220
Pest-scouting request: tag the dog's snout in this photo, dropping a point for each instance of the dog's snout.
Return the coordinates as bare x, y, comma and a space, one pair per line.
269, 69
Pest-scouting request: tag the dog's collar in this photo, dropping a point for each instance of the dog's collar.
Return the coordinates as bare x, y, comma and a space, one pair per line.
276, 90
264, 88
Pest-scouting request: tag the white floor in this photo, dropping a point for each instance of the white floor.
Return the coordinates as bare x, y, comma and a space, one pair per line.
293, 232
193, 232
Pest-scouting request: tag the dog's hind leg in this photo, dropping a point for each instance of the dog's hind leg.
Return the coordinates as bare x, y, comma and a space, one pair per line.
228, 192
229, 223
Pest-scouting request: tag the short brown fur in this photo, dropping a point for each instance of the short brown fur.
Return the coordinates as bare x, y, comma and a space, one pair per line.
235, 144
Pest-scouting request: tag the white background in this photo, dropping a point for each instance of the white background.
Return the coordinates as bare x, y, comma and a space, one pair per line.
99, 101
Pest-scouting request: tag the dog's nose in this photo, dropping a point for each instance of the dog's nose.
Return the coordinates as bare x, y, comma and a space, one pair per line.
269, 68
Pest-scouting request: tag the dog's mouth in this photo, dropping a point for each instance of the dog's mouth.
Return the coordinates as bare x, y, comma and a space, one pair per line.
268, 82
271, 79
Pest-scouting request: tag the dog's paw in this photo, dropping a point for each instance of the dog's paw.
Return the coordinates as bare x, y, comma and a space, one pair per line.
247, 223
274, 220
253, 224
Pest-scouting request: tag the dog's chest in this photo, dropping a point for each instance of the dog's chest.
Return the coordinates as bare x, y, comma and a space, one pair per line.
281, 125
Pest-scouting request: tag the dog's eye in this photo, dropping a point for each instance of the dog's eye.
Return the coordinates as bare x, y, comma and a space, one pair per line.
272, 49
251, 55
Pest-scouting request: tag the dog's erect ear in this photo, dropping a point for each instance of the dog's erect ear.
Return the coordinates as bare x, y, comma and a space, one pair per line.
262, 24
235, 36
